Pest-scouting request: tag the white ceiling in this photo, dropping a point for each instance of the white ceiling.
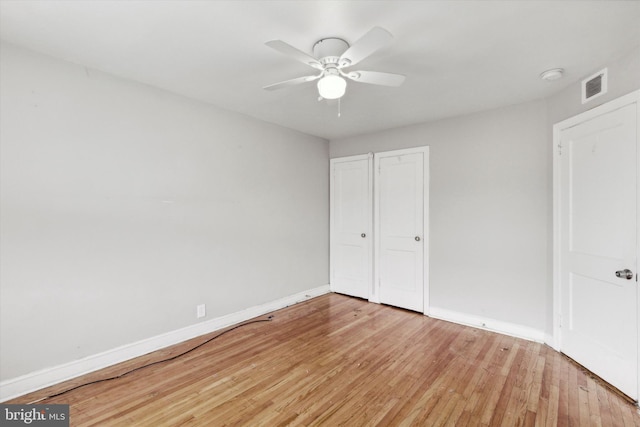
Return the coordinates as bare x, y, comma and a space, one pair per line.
458, 56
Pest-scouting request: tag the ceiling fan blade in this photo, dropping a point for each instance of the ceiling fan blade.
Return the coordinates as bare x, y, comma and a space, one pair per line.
294, 53
376, 78
375, 39
292, 82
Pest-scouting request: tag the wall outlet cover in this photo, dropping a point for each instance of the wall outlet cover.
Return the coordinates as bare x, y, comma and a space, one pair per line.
201, 311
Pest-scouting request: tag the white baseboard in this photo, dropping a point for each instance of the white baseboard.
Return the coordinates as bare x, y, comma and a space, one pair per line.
493, 325
551, 341
22, 385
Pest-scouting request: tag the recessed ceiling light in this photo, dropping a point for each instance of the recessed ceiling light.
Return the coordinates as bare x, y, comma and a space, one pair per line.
552, 74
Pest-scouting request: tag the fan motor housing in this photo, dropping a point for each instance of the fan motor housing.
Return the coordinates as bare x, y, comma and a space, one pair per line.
329, 50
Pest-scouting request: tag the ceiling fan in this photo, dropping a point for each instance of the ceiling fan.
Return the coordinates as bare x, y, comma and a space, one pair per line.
331, 56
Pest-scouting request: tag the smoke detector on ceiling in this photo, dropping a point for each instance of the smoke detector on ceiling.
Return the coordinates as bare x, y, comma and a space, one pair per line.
552, 74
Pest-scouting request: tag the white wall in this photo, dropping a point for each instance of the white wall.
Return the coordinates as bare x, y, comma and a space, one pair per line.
123, 207
491, 200
489, 228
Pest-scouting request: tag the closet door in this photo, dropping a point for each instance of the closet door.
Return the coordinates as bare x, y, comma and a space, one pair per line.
401, 183
351, 247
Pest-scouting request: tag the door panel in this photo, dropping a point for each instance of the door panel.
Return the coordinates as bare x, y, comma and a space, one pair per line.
601, 168
598, 190
401, 271
400, 228
351, 211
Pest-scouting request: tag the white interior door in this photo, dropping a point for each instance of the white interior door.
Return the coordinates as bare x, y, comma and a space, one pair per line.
400, 217
351, 247
598, 163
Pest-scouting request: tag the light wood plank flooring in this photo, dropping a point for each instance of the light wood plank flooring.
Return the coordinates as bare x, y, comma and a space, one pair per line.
336, 360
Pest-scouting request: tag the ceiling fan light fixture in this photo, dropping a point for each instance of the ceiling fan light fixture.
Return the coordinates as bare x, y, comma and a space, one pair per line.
332, 86
331, 55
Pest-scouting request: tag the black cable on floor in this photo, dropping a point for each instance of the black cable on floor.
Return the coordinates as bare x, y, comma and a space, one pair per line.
268, 319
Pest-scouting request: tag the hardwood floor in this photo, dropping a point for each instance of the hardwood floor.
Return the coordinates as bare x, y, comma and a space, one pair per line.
336, 360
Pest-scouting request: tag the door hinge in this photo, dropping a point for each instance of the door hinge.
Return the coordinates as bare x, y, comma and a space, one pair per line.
559, 149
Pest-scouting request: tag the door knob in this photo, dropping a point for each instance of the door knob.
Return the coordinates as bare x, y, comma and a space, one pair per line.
417, 238
363, 235
625, 274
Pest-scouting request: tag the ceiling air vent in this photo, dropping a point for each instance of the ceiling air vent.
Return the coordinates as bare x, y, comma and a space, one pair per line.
594, 86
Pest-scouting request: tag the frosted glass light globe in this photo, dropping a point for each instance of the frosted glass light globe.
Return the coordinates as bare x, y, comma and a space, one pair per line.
332, 87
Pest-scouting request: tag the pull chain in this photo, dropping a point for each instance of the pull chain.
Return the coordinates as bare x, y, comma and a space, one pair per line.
339, 106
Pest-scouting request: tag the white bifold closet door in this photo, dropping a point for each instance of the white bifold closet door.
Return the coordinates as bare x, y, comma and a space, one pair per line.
351, 247
400, 207
379, 239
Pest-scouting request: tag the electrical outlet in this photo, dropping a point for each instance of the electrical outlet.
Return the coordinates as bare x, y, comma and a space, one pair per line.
201, 311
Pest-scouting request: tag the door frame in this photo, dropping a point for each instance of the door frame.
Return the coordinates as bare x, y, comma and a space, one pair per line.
631, 98
375, 296
369, 227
